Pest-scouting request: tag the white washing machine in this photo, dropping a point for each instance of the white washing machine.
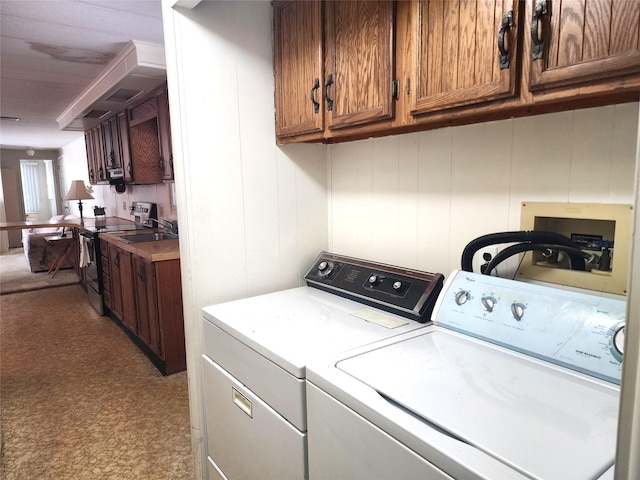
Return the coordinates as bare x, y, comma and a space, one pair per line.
256, 351
511, 381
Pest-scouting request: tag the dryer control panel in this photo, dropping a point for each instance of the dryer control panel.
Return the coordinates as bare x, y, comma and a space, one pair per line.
406, 292
581, 331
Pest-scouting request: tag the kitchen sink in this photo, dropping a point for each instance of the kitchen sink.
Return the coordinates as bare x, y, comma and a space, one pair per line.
148, 237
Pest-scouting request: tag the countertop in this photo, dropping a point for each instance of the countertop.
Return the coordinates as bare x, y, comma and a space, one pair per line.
155, 251
70, 223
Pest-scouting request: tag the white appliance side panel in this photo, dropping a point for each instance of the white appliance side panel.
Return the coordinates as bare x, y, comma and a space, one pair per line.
246, 438
344, 445
213, 472
277, 387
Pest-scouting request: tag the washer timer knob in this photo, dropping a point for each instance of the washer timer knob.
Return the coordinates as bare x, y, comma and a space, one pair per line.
617, 344
488, 303
397, 286
325, 268
461, 297
373, 279
517, 310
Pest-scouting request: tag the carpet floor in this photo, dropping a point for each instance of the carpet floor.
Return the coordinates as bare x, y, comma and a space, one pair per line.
15, 275
79, 401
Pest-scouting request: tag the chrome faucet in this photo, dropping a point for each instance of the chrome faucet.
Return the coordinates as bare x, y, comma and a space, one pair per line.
172, 226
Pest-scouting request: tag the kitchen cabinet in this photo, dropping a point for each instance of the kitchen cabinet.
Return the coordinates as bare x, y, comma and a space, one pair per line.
164, 133
125, 151
345, 81
122, 287
577, 41
453, 62
465, 52
146, 297
95, 155
147, 305
298, 67
145, 146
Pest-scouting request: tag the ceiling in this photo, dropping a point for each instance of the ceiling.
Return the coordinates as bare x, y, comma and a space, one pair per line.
50, 51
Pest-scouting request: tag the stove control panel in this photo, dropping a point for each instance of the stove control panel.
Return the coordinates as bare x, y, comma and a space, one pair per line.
409, 293
584, 332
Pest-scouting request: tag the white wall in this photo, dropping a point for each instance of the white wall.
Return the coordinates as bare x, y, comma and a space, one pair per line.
74, 167
253, 216
416, 200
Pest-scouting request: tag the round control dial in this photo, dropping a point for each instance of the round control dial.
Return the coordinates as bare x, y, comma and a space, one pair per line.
397, 286
325, 268
517, 310
488, 303
461, 297
374, 279
617, 344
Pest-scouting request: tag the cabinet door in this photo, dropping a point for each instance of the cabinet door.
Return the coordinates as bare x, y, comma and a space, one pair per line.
360, 62
125, 150
298, 63
147, 304
91, 157
127, 285
99, 151
577, 41
458, 51
116, 287
164, 132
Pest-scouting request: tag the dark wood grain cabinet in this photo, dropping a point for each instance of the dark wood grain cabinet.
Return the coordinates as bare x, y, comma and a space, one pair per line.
146, 298
350, 70
578, 41
135, 142
335, 72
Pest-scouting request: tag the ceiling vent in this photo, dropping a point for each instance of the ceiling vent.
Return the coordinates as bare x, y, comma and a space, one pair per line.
138, 69
96, 113
123, 95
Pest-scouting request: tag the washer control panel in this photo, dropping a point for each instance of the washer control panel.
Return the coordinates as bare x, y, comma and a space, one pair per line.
584, 332
409, 293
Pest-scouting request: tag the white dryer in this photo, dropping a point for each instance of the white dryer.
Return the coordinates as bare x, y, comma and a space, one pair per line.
512, 381
256, 351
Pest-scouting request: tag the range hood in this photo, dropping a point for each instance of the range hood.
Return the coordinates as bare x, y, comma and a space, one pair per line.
135, 71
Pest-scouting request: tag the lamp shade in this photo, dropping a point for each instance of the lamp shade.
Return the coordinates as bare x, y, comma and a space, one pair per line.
78, 191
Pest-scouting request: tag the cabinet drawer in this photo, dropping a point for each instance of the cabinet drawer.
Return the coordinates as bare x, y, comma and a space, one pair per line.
246, 437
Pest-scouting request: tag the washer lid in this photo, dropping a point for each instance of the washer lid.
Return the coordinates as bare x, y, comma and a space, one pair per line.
544, 421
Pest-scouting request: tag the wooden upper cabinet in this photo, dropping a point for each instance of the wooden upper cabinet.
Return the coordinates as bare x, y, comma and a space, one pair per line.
465, 53
298, 63
577, 41
358, 84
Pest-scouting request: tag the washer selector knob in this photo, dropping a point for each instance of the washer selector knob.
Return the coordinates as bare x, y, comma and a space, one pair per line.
617, 344
461, 297
517, 310
397, 286
374, 279
325, 268
488, 303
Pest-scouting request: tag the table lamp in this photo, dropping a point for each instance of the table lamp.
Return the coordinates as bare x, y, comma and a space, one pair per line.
78, 191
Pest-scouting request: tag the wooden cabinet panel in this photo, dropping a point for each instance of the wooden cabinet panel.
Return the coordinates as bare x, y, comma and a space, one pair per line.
127, 285
164, 132
147, 305
583, 41
145, 152
116, 284
360, 62
125, 150
298, 68
457, 59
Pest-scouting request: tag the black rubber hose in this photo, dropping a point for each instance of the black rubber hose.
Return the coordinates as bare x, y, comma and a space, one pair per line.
534, 236
576, 256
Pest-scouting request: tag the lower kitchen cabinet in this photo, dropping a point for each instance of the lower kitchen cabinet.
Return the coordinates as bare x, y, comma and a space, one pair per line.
146, 297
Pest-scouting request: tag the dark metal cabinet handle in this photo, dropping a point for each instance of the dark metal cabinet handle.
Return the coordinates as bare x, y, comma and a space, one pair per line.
161, 164
505, 56
117, 260
312, 94
537, 43
141, 273
129, 168
91, 174
326, 92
